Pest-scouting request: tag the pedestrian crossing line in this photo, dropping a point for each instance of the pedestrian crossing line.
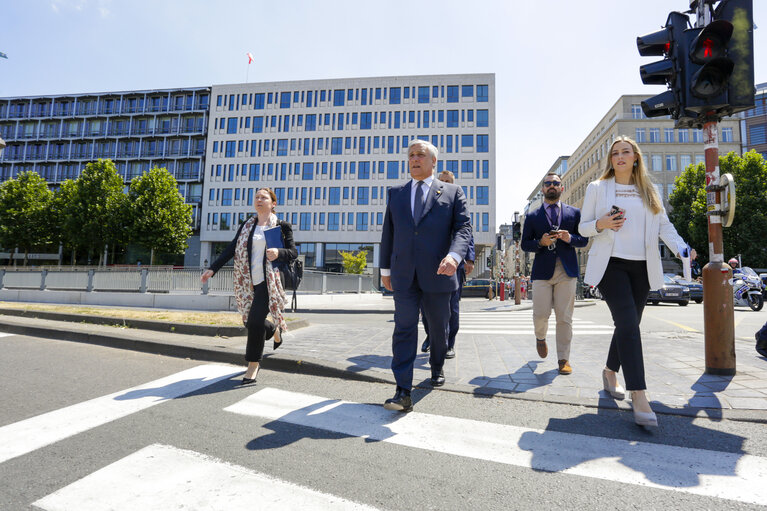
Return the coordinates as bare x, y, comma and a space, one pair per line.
36, 432
162, 477
725, 475
530, 331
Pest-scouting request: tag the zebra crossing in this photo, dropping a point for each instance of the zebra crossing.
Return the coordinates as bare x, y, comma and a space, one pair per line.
521, 323
164, 477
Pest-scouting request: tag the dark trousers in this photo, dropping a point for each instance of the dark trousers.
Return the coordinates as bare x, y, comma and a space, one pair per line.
259, 328
436, 307
761, 341
455, 317
625, 288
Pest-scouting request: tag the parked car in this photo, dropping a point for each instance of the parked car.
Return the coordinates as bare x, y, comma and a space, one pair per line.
480, 287
696, 288
670, 292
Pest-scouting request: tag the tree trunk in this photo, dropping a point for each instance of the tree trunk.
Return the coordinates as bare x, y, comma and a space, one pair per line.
151, 257
26, 256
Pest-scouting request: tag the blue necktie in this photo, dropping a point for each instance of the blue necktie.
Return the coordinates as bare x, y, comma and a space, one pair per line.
554, 214
418, 206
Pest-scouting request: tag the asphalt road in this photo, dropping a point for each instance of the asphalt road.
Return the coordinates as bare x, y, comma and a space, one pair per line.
288, 442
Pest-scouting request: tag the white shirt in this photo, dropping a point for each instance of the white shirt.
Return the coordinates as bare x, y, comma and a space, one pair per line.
629, 240
257, 250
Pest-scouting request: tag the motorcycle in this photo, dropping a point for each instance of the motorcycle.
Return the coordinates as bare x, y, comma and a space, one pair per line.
747, 289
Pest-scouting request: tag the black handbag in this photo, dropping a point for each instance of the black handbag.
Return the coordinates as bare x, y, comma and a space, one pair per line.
293, 274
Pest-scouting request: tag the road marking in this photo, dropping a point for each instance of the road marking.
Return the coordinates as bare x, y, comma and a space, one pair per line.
162, 478
702, 472
520, 323
30, 434
678, 325
3, 334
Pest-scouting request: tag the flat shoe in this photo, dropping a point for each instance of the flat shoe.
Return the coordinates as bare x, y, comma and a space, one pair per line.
540, 346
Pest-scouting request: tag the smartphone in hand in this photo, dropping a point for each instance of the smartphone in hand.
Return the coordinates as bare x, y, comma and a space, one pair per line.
619, 211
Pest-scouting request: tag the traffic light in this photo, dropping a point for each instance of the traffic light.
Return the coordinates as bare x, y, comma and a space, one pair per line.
709, 68
516, 231
740, 49
499, 241
669, 71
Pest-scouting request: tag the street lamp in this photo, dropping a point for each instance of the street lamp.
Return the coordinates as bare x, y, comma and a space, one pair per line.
517, 294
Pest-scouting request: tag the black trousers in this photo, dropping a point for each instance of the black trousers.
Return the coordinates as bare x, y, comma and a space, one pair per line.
259, 328
625, 288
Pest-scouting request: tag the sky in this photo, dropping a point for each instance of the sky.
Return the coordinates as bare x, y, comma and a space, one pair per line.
559, 64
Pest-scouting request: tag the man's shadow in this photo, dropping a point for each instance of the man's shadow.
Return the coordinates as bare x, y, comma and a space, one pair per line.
175, 390
524, 378
555, 452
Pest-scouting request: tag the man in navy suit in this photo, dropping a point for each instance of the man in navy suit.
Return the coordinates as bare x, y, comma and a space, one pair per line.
425, 237
465, 268
551, 232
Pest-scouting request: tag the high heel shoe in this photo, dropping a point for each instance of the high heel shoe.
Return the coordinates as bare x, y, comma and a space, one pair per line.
277, 343
644, 418
617, 392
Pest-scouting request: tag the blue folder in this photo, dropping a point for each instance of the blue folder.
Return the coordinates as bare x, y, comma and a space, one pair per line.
273, 237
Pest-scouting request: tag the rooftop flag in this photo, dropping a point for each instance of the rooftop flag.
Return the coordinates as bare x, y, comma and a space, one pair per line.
250, 58
3, 55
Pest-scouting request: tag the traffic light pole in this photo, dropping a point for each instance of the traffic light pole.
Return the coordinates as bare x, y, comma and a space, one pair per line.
517, 294
718, 312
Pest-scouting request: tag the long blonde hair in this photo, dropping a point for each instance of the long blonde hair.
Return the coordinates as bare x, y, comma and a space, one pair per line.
639, 175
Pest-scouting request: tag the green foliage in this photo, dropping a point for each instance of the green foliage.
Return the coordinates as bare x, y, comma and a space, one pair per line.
92, 208
160, 219
25, 213
749, 229
355, 263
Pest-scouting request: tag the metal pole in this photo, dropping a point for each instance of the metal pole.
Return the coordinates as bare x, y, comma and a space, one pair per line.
517, 294
718, 312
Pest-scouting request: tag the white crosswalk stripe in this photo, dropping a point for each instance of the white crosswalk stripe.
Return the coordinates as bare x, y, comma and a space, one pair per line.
31, 434
725, 475
164, 478
520, 323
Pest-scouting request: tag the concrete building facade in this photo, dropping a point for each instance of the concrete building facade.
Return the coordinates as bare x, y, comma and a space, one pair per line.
330, 149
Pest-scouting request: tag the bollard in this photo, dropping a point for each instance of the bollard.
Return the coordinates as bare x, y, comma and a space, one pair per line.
43, 274
359, 284
324, 289
144, 275
90, 281
2, 276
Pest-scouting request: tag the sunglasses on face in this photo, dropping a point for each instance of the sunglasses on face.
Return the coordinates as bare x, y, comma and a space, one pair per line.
551, 183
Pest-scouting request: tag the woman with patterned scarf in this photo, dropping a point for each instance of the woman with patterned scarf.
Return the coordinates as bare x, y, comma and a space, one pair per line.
258, 287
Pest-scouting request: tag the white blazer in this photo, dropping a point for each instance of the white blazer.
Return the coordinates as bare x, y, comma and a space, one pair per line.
600, 197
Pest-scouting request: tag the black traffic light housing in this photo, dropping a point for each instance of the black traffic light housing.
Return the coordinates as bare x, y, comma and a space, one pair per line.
516, 231
740, 49
669, 71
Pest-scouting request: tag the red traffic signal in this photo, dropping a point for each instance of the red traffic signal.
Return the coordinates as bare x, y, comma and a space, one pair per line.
708, 50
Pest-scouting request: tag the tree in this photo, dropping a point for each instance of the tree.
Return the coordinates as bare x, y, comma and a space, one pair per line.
93, 209
355, 263
25, 213
749, 229
159, 217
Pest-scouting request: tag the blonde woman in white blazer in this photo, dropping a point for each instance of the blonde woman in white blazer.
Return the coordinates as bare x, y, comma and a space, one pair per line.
624, 261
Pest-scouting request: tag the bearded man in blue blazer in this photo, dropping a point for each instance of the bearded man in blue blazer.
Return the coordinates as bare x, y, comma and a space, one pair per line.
551, 232
426, 235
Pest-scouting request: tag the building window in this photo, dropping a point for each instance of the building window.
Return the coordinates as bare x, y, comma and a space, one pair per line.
336, 145
307, 170
452, 94
423, 94
654, 135
485, 222
684, 136
671, 162
395, 95
685, 160
467, 140
482, 93
225, 221
700, 158
482, 119
230, 148
362, 222
452, 118
639, 135
333, 221
285, 100
757, 134
258, 101
392, 170
338, 97
668, 135
467, 167
483, 195
306, 222
231, 125
362, 195
334, 195
697, 136
727, 135
636, 112
482, 143
657, 162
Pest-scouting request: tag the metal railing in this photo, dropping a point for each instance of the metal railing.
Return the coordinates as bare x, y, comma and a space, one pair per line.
165, 279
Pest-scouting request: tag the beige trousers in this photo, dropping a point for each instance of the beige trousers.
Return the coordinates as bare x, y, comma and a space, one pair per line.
558, 293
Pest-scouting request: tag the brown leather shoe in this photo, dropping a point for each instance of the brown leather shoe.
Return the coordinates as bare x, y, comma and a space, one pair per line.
564, 367
540, 346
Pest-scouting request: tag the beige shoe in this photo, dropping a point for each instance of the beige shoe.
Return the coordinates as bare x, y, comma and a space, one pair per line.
617, 392
644, 418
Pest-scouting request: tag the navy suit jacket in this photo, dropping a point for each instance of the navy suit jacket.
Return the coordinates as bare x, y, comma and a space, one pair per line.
536, 225
411, 250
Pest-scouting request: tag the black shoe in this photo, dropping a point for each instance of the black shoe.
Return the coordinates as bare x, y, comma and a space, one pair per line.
450, 353
276, 344
248, 381
437, 380
425, 346
401, 401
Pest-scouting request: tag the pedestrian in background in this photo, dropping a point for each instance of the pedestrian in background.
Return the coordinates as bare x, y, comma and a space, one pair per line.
258, 285
551, 233
761, 340
465, 268
425, 236
624, 216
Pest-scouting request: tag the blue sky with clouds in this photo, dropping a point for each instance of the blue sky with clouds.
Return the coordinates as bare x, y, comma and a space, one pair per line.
559, 64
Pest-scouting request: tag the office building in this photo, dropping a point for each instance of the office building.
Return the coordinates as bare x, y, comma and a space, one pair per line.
57, 135
753, 124
330, 149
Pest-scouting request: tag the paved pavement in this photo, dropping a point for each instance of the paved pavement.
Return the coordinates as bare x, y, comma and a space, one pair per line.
495, 356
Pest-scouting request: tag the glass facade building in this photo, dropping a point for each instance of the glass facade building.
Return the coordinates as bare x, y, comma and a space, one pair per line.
330, 149
753, 125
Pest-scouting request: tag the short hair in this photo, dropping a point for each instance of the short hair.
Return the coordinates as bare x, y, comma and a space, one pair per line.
428, 145
449, 174
551, 174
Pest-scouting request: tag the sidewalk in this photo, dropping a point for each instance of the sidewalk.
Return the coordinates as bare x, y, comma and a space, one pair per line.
497, 364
